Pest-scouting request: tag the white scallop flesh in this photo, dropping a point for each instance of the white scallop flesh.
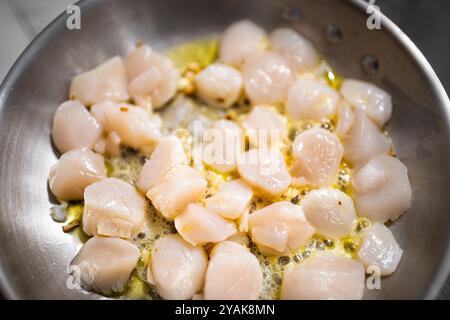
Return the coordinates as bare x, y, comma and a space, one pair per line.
105, 264
264, 126
376, 102
281, 226
178, 187
240, 41
234, 273
267, 78
364, 140
113, 208
135, 127
382, 189
330, 211
324, 276
311, 99
223, 143
177, 268
265, 170
108, 81
379, 248
112, 144
168, 153
294, 47
199, 226
317, 154
137, 61
74, 171
157, 82
74, 127
219, 85
231, 199
345, 118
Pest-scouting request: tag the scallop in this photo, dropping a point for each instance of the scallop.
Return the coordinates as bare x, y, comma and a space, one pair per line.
265, 126
325, 276
113, 208
134, 126
219, 85
317, 155
168, 153
382, 189
199, 226
300, 51
375, 102
74, 127
265, 170
345, 118
240, 41
177, 268
233, 273
138, 60
267, 78
152, 77
281, 226
231, 199
105, 264
330, 211
379, 248
223, 144
108, 81
364, 140
311, 99
74, 171
178, 187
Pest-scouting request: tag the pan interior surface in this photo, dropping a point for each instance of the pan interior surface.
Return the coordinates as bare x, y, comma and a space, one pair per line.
35, 253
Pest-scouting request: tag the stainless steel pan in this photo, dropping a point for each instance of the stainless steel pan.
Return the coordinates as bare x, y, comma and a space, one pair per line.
34, 252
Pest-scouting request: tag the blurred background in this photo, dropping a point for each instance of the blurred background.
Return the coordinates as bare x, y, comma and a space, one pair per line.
426, 22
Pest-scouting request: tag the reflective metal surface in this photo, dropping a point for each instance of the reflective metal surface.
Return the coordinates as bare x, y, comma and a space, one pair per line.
34, 252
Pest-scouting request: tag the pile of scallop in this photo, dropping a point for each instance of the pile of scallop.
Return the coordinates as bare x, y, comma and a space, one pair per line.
307, 162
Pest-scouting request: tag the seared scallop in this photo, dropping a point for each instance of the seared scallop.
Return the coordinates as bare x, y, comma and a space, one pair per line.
199, 226
330, 211
311, 99
105, 264
167, 154
219, 85
267, 78
231, 200
114, 208
281, 226
382, 189
74, 127
265, 170
325, 276
177, 268
108, 81
379, 248
240, 41
364, 140
265, 126
135, 127
375, 102
74, 171
300, 51
155, 85
178, 187
223, 144
233, 273
317, 154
